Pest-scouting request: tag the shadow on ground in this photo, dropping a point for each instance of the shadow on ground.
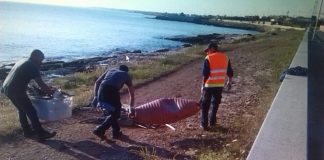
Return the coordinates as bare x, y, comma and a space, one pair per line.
90, 150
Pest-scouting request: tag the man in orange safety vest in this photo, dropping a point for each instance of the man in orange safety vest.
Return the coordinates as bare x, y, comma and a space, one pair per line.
216, 69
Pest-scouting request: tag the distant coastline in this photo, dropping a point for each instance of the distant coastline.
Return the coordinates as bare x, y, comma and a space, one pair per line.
255, 22
204, 20
212, 23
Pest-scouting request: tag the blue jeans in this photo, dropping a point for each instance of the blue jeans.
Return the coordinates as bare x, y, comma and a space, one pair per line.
210, 96
110, 95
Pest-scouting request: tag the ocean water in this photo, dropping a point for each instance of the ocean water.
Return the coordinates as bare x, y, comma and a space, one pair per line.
67, 33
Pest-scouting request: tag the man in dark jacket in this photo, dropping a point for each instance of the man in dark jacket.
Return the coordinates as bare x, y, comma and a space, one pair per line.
107, 97
216, 67
15, 86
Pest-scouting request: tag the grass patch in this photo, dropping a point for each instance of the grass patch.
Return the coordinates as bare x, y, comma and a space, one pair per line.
78, 79
81, 83
10, 126
211, 155
148, 153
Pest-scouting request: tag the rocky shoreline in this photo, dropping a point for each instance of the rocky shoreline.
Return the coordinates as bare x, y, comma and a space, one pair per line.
60, 68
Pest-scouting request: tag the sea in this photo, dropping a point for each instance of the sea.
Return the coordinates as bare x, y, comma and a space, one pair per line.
70, 33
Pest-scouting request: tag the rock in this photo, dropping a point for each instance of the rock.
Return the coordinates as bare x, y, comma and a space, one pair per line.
52, 65
200, 39
191, 152
187, 45
162, 50
136, 51
3, 73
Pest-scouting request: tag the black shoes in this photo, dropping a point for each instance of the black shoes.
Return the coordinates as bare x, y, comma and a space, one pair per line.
212, 124
29, 134
45, 135
205, 128
39, 136
117, 135
99, 133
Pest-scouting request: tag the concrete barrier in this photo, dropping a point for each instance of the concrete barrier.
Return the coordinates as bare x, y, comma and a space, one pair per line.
283, 134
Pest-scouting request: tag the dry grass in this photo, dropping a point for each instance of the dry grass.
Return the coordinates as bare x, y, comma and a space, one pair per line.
211, 154
273, 55
10, 126
148, 153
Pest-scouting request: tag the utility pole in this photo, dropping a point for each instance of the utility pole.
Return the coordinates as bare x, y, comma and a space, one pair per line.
318, 17
315, 8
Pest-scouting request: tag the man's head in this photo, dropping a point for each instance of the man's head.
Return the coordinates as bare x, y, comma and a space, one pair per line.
123, 68
37, 56
213, 46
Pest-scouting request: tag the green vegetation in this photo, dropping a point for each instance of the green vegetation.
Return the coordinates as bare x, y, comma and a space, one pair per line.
78, 79
156, 68
82, 83
283, 55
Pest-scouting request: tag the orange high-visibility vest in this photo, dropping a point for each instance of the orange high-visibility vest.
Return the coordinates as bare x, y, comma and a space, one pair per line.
218, 63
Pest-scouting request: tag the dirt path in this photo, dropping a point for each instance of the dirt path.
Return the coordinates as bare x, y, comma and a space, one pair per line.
75, 141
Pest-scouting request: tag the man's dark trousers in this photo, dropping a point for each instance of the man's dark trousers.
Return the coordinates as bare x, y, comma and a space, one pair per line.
211, 96
26, 109
112, 120
110, 95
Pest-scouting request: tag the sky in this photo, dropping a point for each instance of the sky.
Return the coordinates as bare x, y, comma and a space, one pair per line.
201, 7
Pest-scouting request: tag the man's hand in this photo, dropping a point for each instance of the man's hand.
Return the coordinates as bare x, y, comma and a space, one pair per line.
49, 90
130, 108
96, 109
94, 105
45, 88
131, 113
228, 85
94, 102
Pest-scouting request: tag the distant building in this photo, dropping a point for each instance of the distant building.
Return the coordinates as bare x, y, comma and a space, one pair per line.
321, 28
273, 21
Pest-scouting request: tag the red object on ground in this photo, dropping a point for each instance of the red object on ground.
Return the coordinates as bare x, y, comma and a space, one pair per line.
164, 111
